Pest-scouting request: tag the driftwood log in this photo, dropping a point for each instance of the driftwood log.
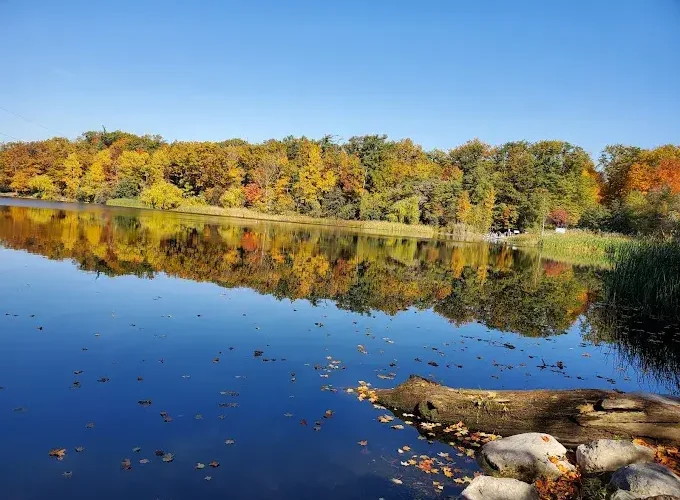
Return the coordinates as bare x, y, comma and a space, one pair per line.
572, 416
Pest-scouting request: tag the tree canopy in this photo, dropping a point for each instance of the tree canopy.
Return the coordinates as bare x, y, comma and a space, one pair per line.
516, 185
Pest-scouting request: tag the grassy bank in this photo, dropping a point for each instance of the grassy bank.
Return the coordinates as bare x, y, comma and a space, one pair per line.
576, 247
385, 228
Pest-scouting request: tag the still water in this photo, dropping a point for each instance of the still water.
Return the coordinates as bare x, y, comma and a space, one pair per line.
126, 332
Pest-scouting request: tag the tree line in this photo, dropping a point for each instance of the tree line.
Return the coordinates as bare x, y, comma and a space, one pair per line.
516, 185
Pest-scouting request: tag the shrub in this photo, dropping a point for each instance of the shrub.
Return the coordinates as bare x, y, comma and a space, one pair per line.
233, 197
43, 187
405, 211
162, 195
126, 188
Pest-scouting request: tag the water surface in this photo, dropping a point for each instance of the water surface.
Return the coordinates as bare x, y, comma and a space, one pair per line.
172, 308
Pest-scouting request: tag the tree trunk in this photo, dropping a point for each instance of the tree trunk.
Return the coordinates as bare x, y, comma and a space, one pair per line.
572, 416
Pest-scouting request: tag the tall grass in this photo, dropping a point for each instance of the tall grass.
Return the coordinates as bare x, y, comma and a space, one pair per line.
576, 247
645, 276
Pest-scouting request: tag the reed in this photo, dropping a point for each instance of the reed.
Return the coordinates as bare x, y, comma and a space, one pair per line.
645, 276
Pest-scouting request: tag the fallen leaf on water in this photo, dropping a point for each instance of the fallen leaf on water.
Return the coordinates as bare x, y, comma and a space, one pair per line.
328, 414
383, 419
80, 449
287, 415
229, 441
125, 464
168, 457
144, 461
89, 425
103, 380
78, 372
398, 427
198, 416
397, 481
214, 464
363, 443
58, 453
207, 478
136, 449
199, 465
303, 422
405, 464
144, 402
361, 349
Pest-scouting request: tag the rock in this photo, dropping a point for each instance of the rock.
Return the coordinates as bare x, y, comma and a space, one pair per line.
498, 488
643, 481
526, 457
608, 455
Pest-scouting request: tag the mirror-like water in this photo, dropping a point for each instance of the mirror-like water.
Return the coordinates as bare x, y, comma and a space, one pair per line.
113, 320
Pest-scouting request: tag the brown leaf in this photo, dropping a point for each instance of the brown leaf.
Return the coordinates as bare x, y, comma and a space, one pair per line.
58, 453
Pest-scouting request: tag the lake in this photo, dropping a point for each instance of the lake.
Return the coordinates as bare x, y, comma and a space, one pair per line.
232, 343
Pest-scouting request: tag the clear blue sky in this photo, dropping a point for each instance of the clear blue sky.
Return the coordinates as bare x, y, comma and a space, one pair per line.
591, 72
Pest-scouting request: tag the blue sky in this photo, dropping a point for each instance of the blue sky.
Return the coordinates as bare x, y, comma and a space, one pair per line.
440, 72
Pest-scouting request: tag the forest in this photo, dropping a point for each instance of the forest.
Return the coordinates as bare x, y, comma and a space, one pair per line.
516, 185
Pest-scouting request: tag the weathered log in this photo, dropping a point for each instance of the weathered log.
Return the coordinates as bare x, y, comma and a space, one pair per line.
573, 416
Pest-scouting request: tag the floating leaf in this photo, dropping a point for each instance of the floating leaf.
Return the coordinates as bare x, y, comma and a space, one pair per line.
303, 422
136, 449
362, 443
144, 402
199, 466
287, 415
58, 453
159, 453
103, 380
89, 425
214, 464
328, 414
125, 464
229, 441
398, 427
79, 449
144, 461
168, 457
207, 478
68, 474
397, 481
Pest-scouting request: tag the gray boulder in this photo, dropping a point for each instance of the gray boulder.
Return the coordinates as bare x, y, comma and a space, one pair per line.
643, 481
526, 457
498, 488
608, 455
